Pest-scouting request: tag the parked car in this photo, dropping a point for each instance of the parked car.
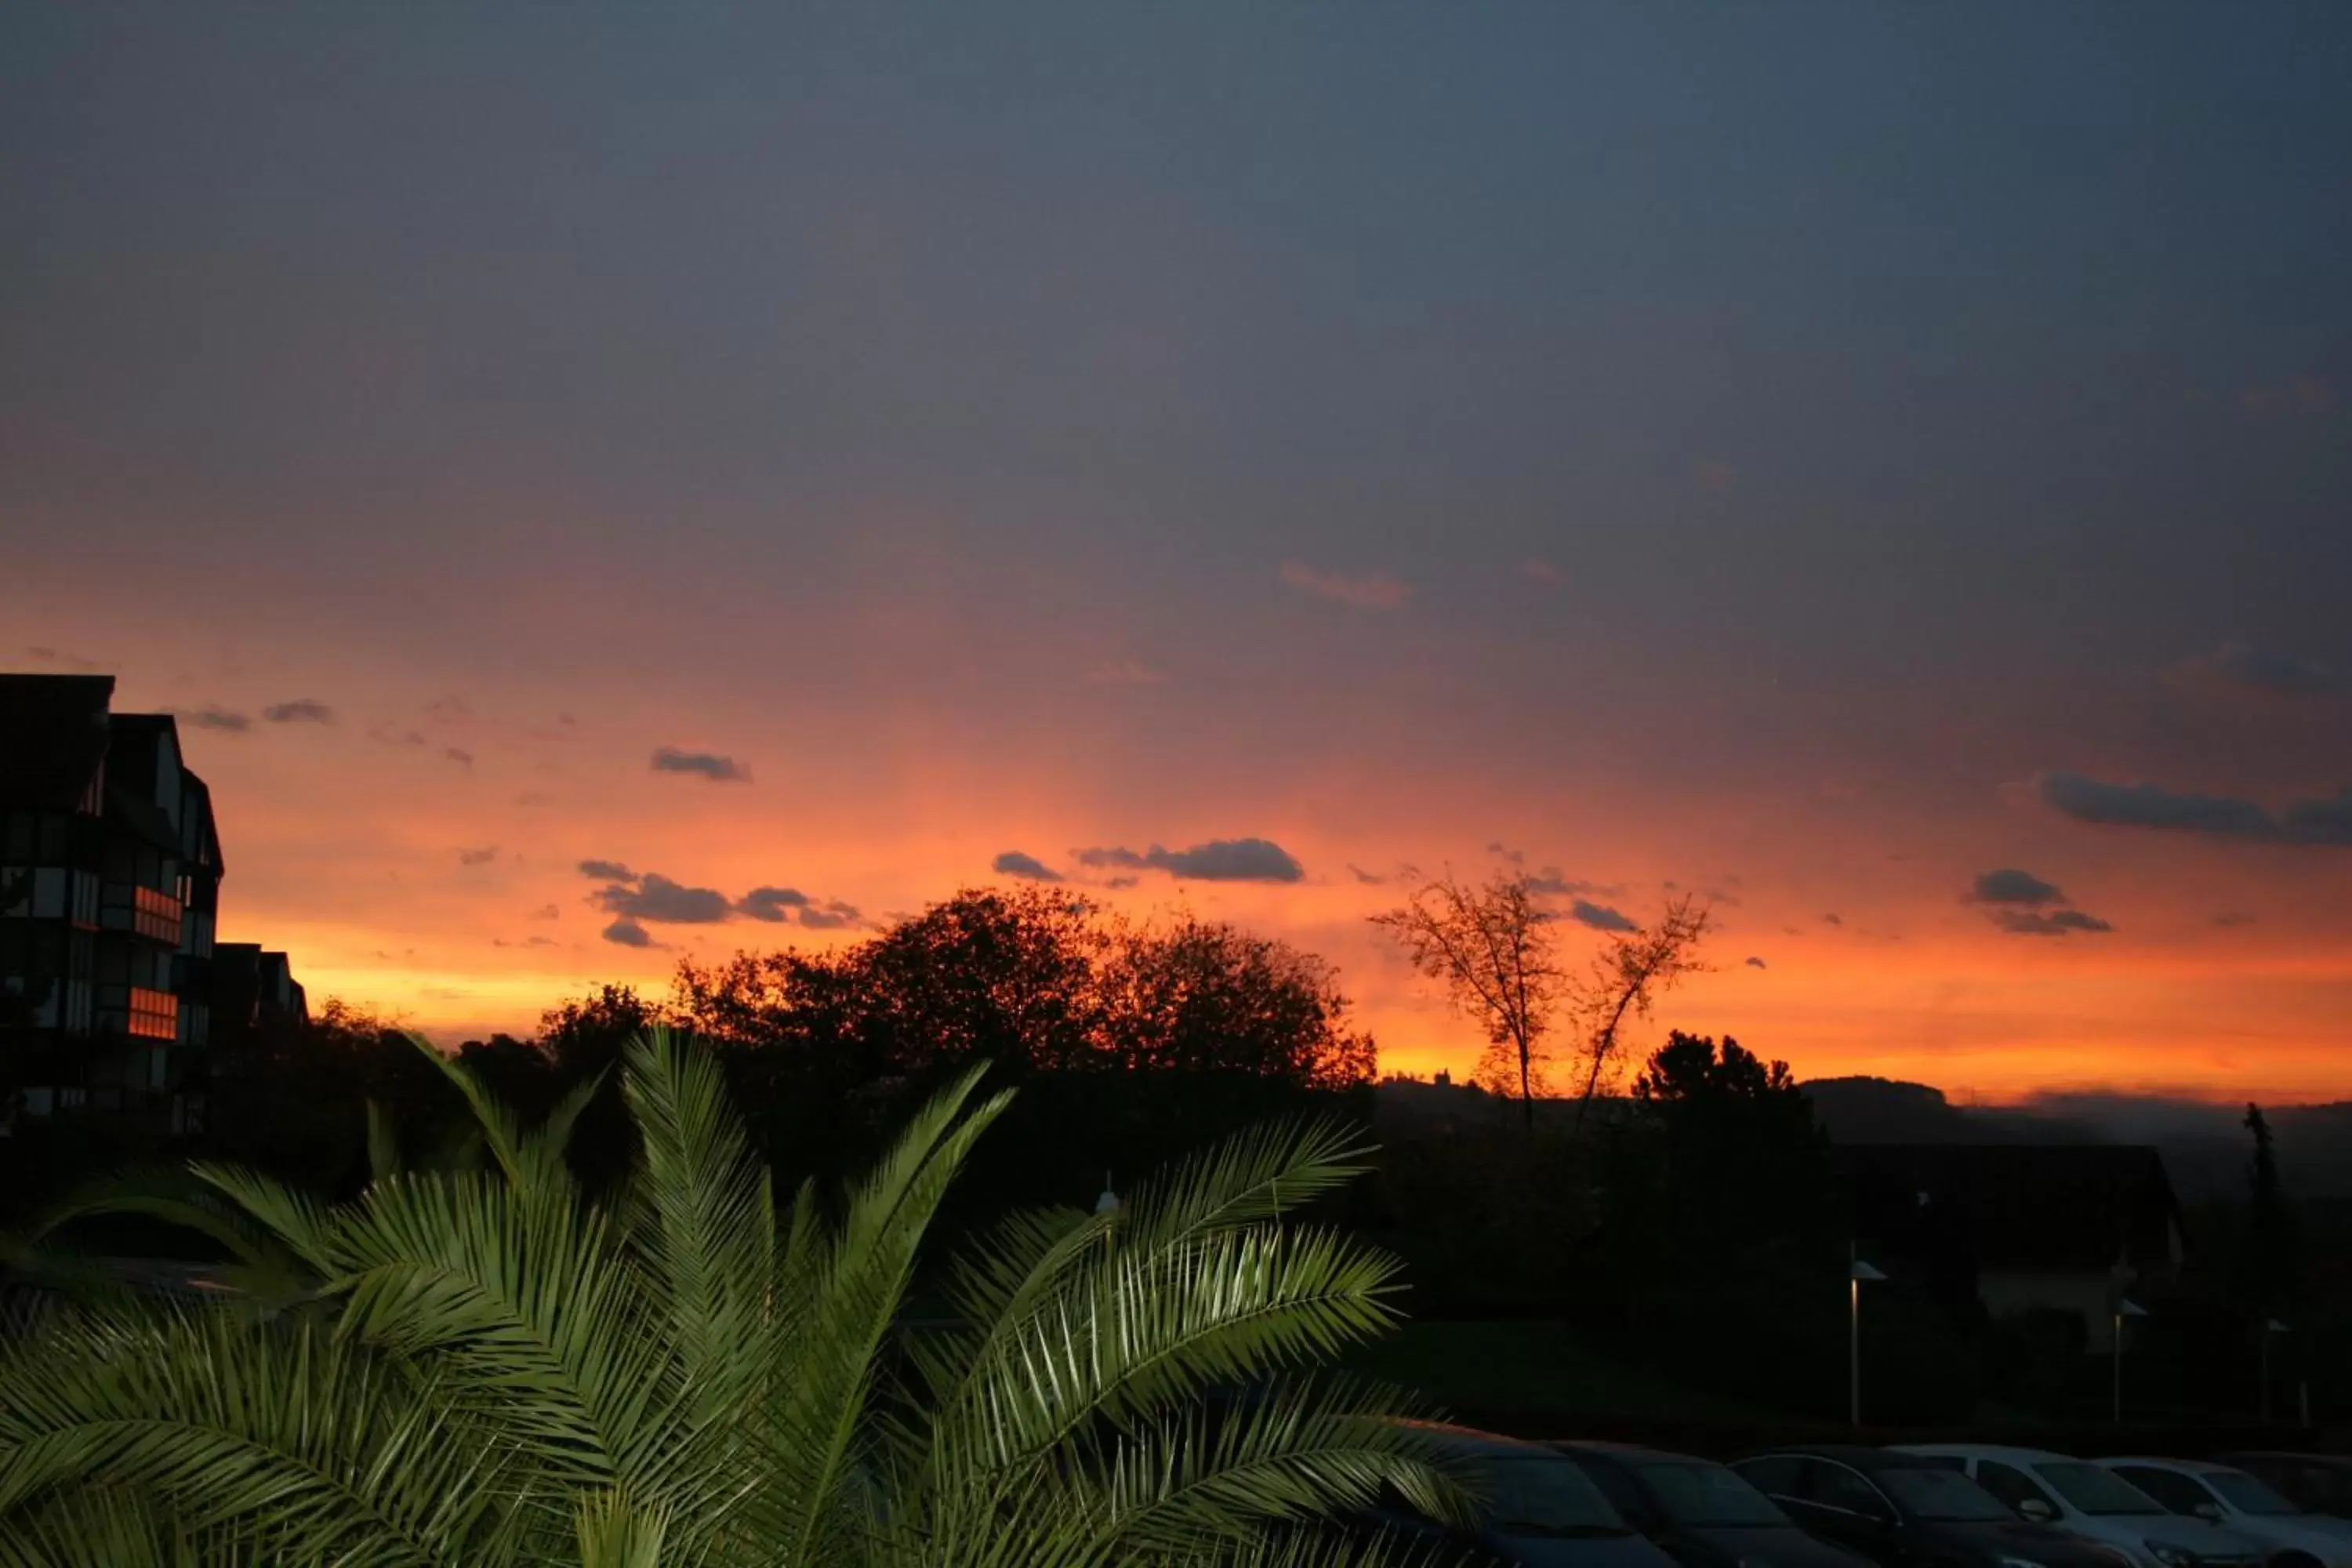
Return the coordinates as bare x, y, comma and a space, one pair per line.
1703, 1514
2094, 1503
1902, 1511
2289, 1537
1541, 1510
2317, 1483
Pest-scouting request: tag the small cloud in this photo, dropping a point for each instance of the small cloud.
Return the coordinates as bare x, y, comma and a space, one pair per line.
1834, 918
1713, 478
1365, 590
2303, 396
449, 710
62, 659
481, 856
607, 871
385, 735
1124, 672
1116, 883
2012, 887
1014, 863
539, 941
1599, 917
2033, 923
1217, 860
1366, 877
833, 917
773, 905
705, 764
1515, 856
2233, 918
656, 898
302, 711
547, 912
222, 719
459, 755
2237, 668
2326, 821
1543, 572
629, 933
1756, 964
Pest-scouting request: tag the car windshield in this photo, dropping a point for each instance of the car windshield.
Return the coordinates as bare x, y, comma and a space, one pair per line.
2092, 1490
1704, 1495
1540, 1495
1941, 1497
2245, 1494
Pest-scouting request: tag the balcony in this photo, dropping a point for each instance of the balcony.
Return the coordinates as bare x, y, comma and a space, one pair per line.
150, 911
138, 1011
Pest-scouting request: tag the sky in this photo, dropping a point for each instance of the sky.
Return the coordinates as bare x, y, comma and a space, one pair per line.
1887, 469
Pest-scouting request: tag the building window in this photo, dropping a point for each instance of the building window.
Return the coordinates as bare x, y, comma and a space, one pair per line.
153, 1015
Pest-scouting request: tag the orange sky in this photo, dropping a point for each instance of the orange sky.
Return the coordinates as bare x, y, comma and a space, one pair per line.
447, 891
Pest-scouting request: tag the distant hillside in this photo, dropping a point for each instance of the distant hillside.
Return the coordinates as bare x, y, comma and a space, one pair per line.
2204, 1147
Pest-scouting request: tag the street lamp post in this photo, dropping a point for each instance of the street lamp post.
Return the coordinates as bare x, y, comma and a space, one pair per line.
2124, 1308
1857, 1275
2271, 1327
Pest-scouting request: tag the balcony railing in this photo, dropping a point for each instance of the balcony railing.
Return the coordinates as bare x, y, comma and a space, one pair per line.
156, 915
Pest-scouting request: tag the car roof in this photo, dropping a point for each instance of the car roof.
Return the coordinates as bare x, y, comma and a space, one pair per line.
2186, 1466
1858, 1455
1989, 1451
1607, 1450
1471, 1437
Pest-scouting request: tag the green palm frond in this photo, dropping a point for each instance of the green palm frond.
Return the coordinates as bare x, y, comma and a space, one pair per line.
485, 1367
242, 1433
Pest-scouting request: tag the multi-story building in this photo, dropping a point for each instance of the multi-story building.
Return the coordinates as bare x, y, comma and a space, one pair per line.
109, 883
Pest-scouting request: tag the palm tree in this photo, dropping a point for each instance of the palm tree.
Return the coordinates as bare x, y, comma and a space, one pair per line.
484, 1366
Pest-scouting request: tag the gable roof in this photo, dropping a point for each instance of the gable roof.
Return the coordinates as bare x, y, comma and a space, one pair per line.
2084, 1207
53, 738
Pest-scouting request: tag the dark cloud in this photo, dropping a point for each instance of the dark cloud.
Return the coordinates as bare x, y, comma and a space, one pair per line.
1515, 856
1833, 919
449, 710
385, 735
302, 711
221, 719
656, 898
2233, 918
1365, 590
1218, 861
481, 856
1756, 964
1548, 883
2033, 923
459, 755
629, 933
547, 912
607, 871
834, 916
2306, 822
705, 765
1599, 917
1014, 863
2236, 666
2014, 886
773, 905
1366, 877
538, 941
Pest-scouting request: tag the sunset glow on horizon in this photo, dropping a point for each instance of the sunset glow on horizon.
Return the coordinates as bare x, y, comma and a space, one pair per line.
831, 456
